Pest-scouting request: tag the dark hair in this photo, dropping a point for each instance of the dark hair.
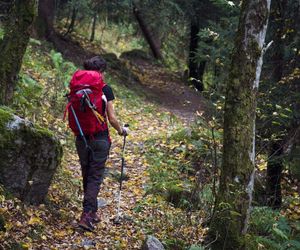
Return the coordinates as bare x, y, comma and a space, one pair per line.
95, 63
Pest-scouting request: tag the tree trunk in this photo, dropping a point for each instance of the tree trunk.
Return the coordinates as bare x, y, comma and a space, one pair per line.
196, 70
154, 45
13, 46
230, 220
44, 21
274, 174
72, 23
93, 27
5, 8
275, 165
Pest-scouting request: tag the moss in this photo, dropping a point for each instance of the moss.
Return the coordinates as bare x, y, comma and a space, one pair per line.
5, 118
25, 133
226, 227
17, 33
44, 132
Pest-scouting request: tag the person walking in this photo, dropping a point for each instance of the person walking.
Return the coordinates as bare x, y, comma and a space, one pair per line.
90, 126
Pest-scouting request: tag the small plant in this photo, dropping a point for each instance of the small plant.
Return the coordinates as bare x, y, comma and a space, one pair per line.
196, 247
272, 230
28, 96
63, 71
1, 33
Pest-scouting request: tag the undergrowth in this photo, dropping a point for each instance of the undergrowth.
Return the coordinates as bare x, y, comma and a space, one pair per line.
183, 164
269, 229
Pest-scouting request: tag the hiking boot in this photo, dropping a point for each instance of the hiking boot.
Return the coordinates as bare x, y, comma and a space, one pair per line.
95, 217
86, 221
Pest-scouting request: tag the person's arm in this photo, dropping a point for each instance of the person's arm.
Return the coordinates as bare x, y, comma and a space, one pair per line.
112, 118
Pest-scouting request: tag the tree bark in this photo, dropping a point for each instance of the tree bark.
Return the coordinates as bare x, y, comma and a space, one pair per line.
45, 19
93, 27
196, 69
275, 165
274, 174
13, 46
230, 220
155, 48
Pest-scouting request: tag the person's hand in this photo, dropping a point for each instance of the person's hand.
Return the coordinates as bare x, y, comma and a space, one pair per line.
125, 131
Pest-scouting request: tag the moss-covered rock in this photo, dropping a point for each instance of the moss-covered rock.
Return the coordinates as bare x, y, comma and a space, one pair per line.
29, 157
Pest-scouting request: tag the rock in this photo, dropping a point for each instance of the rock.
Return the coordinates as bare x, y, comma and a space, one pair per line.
29, 157
152, 243
101, 202
87, 244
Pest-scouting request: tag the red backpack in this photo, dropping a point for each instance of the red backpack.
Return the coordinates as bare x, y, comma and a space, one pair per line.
85, 99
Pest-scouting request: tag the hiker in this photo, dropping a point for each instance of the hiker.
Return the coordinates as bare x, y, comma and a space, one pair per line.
89, 123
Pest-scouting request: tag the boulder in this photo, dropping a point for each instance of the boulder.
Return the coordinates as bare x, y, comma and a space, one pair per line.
29, 157
152, 243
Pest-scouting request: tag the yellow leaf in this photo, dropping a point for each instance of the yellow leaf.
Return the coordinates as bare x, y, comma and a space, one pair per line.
60, 234
35, 221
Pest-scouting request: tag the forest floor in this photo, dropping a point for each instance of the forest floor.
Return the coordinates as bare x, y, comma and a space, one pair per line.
162, 105
170, 141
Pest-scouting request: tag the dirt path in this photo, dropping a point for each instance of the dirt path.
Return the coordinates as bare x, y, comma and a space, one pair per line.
130, 233
54, 225
167, 88
157, 83
164, 88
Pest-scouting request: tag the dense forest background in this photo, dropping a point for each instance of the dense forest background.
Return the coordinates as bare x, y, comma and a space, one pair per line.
210, 89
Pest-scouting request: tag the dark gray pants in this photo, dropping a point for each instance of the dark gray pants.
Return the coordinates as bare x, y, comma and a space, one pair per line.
92, 167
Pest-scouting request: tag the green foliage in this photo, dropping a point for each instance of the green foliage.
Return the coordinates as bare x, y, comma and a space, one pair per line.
1, 33
28, 96
272, 230
262, 220
17, 246
183, 166
215, 47
174, 244
63, 69
196, 247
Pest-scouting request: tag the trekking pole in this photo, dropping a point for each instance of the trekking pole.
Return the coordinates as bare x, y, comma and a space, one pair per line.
79, 127
118, 217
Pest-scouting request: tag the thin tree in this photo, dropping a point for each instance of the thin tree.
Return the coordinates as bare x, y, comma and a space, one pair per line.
196, 69
44, 21
94, 26
154, 45
230, 220
72, 23
275, 164
13, 46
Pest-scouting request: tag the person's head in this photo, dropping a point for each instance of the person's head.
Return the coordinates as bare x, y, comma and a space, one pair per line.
95, 63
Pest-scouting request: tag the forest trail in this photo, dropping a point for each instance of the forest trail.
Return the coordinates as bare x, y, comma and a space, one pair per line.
143, 74
131, 232
177, 104
167, 88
